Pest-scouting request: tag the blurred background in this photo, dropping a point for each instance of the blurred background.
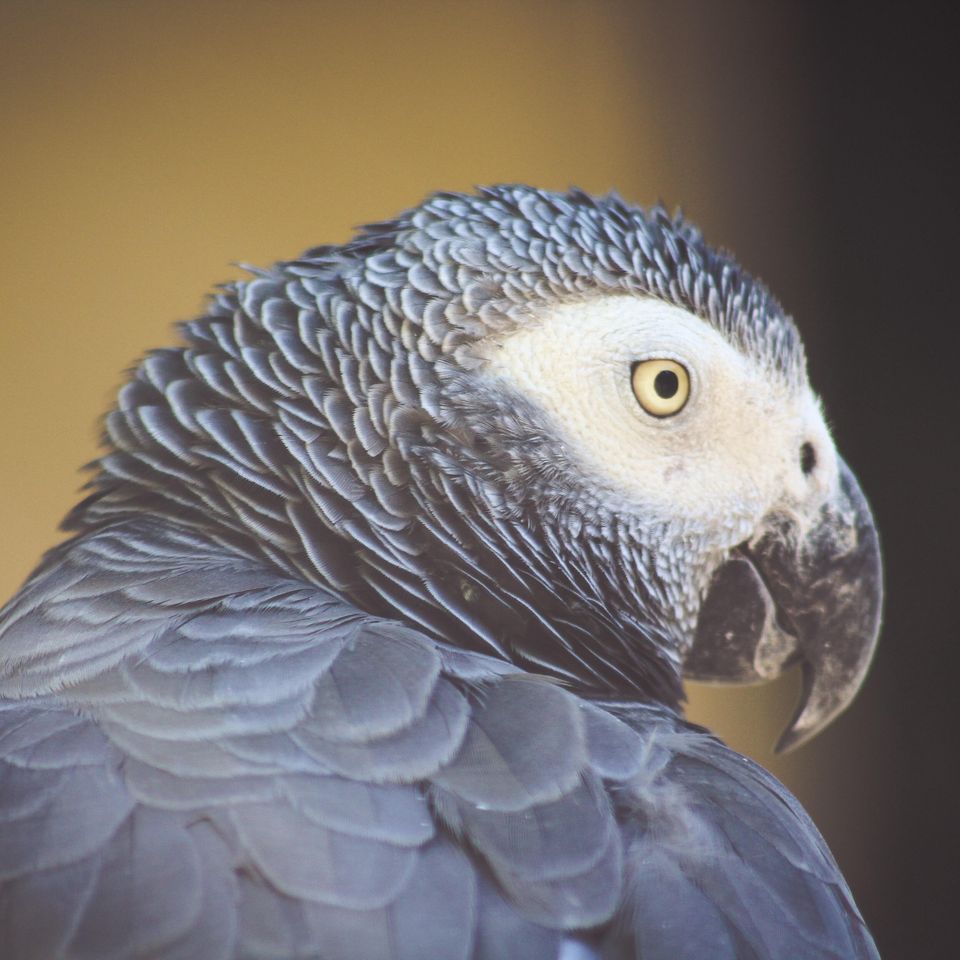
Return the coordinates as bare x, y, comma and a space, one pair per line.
147, 147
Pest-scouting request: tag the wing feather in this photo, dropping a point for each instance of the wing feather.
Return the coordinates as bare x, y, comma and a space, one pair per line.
201, 756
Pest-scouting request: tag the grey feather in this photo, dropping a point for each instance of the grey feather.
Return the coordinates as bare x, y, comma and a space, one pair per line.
214, 935
498, 770
411, 754
40, 911
148, 893
56, 814
503, 933
340, 869
349, 706
387, 812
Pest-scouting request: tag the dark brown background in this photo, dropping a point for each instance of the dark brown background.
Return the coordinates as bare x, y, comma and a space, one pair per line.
143, 147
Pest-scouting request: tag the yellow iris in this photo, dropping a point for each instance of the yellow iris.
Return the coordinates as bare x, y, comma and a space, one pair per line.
661, 387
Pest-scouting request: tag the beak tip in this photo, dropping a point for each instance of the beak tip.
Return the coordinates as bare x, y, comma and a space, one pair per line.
814, 713
804, 726
794, 737
828, 688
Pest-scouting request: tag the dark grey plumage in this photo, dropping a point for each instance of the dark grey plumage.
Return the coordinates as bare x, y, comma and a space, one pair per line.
289, 691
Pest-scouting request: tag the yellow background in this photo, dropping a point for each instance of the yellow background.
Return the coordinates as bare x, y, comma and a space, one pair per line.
148, 147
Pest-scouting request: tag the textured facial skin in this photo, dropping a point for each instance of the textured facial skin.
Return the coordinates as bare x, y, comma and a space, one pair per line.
702, 480
701, 465
370, 639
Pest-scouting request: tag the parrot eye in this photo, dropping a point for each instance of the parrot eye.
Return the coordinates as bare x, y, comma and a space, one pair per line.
660, 386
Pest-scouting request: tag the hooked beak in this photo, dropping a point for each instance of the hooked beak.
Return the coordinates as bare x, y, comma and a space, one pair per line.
812, 597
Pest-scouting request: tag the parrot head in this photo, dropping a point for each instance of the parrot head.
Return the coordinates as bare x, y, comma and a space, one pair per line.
552, 427
754, 544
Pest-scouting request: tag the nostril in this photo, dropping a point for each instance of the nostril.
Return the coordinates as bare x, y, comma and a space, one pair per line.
808, 459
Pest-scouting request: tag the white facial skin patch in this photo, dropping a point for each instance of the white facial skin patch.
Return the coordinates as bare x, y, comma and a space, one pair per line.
731, 455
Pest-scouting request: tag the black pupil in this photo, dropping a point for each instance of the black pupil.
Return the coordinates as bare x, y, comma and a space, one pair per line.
666, 383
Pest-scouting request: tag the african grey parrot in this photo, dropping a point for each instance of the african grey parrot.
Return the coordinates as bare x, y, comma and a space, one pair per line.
370, 637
